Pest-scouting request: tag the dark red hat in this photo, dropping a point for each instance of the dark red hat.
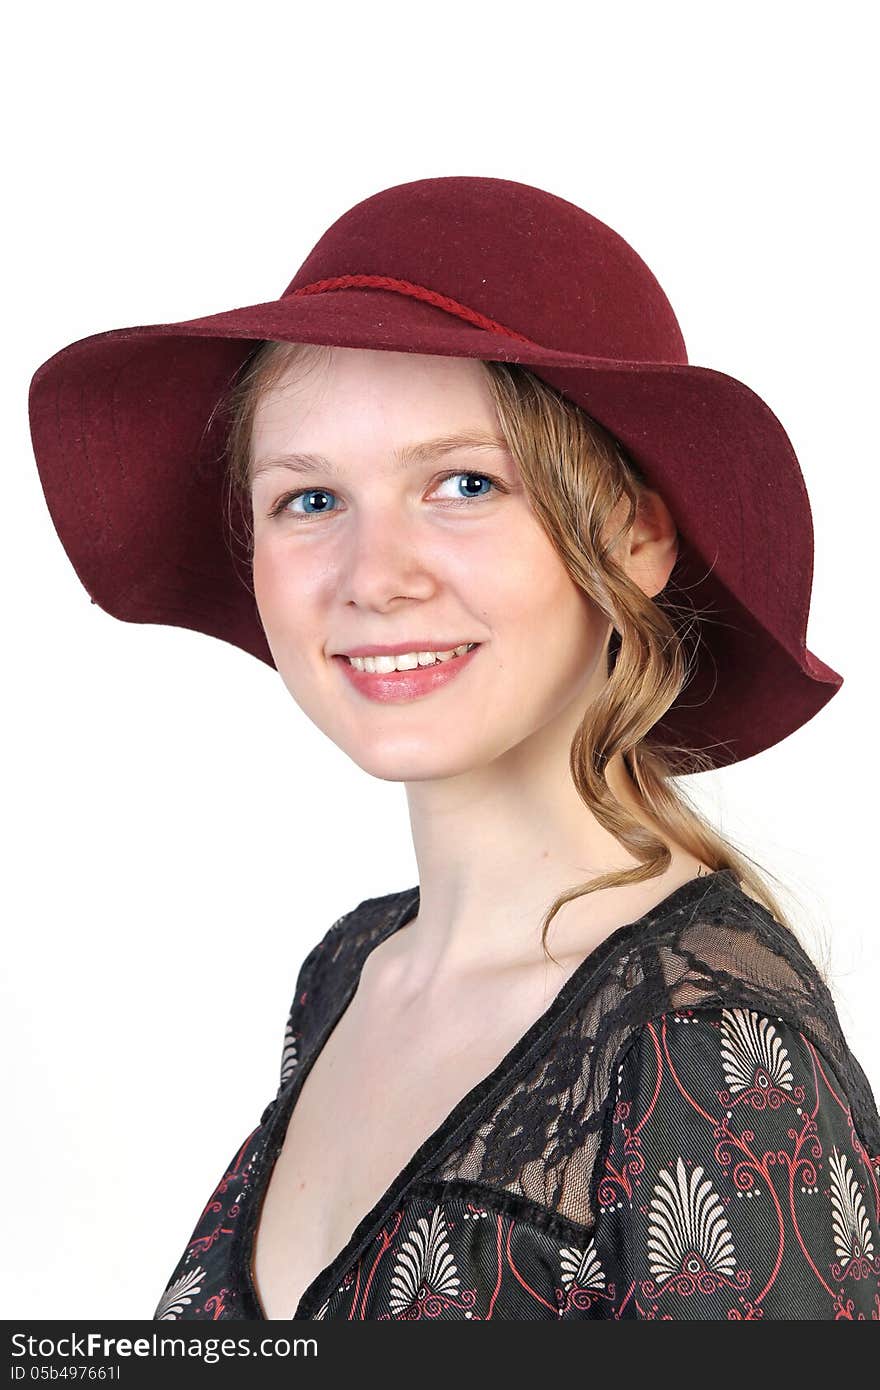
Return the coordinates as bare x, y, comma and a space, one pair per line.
461, 267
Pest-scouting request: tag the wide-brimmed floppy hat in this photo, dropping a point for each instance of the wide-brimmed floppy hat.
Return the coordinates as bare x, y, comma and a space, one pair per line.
134, 474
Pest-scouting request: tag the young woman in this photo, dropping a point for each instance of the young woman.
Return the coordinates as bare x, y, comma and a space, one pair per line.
503, 545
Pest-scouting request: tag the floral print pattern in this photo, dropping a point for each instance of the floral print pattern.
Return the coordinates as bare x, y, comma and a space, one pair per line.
732, 1185
735, 1185
683, 1134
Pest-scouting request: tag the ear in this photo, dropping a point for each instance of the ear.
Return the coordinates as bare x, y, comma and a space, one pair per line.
653, 544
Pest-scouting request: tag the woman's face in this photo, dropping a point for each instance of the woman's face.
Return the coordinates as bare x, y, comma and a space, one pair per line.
426, 552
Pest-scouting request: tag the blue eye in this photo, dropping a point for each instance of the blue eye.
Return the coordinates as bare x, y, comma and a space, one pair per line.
469, 478
316, 500
322, 504
308, 494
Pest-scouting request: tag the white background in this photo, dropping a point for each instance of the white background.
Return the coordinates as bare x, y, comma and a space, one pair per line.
177, 834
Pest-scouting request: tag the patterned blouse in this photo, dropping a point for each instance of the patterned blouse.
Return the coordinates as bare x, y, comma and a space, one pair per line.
683, 1133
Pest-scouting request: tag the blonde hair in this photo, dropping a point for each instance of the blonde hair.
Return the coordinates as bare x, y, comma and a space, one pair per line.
575, 473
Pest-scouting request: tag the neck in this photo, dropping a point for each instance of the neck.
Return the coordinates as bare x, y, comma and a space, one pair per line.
496, 846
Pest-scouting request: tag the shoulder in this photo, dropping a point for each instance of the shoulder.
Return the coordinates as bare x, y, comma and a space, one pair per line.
350, 938
713, 1069
725, 952
331, 966
734, 1179
727, 1061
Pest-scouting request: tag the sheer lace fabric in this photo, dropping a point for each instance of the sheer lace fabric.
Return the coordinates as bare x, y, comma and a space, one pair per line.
540, 1139
540, 1135
542, 1161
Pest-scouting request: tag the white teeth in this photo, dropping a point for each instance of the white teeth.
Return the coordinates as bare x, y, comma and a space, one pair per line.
406, 661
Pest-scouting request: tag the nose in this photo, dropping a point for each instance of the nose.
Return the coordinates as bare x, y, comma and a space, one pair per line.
382, 559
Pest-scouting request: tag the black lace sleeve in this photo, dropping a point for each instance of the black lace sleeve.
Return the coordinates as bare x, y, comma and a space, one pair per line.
732, 1183
198, 1284
290, 1050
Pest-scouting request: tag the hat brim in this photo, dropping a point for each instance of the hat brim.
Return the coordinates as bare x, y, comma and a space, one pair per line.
134, 485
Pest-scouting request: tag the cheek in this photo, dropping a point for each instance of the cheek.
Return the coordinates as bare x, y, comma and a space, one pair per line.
553, 634
542, 603
283, 601
269, 583
262, 571
280, 585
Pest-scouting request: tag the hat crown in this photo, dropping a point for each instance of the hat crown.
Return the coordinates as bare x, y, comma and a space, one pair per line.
525, 258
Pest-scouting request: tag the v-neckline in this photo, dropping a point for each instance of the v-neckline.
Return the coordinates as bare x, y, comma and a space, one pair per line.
464, 1112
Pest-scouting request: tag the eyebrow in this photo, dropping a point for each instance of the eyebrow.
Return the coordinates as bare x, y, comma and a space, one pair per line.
404, 457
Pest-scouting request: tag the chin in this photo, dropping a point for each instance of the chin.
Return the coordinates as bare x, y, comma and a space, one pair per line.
409, 766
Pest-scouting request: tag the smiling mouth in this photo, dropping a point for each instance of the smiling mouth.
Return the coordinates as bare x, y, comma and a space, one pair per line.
404, 662
412, 682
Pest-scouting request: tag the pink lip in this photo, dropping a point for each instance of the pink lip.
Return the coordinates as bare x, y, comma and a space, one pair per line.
397, 686
415, 645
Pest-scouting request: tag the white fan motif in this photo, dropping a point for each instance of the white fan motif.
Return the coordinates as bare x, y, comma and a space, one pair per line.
289, 1057
687, 1230
424, 1265
179, 1295
752, 1052
581, 1268
852, 1229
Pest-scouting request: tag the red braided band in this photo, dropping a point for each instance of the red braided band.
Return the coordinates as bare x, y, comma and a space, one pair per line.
441, 301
